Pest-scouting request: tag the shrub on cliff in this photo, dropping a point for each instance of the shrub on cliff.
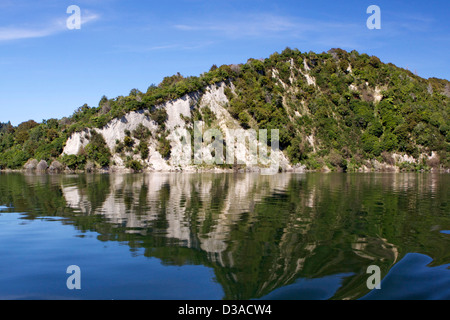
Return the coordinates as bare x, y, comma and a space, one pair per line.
97, 150
135, 165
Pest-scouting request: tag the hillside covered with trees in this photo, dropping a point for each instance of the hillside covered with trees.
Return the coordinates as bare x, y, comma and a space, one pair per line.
338, 110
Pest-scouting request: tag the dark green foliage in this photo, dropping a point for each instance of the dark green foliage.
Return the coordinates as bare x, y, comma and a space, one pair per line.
97, 150
23, 131
375, 128
371, 144
128, 141
135, 165
143, 149
74, 162
297, 151
29, 140
159, 116
13, 158
119, 147
100, 121
51, 150
141, 132
164, 146
208, 116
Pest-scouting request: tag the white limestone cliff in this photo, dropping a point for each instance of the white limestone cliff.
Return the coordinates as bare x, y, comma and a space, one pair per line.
182, 155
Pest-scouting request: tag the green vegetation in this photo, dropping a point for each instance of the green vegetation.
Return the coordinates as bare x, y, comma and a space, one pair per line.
97, 150
164, 146
135, 165
353, 106
29, 140
143, 133
74, 162
357, 108
143, 150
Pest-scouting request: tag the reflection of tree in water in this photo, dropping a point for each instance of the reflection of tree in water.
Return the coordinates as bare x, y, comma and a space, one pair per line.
259, 233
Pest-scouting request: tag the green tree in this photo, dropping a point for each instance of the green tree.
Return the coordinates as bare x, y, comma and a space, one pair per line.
97, 150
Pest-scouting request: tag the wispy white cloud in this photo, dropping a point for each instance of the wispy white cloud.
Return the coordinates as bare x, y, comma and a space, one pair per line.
306, 30
250, 25
144, 48
55, 27
264, 26
13, 33
135, 48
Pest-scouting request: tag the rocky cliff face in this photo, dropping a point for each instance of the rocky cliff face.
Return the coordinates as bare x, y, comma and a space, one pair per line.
179, 130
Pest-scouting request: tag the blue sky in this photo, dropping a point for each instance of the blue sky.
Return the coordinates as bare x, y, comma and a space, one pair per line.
48, 71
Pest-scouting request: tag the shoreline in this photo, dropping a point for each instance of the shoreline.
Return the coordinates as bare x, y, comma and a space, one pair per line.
219, 171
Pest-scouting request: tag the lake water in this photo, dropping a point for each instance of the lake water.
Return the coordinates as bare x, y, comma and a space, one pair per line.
225, 236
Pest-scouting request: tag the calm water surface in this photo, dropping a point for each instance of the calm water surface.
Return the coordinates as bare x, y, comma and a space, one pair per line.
225, 236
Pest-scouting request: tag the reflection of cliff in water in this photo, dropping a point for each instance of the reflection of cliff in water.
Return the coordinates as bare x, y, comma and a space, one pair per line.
260, 233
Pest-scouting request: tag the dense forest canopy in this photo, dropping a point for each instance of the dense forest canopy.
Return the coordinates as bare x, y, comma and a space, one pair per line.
352, 106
